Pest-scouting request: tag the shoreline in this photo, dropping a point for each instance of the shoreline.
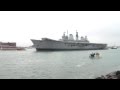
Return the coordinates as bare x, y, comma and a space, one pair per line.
112, 75
12, 48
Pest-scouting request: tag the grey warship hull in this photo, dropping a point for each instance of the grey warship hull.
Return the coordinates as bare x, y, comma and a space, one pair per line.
49, 44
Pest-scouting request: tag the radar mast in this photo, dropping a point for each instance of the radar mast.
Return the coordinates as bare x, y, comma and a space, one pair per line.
77, 35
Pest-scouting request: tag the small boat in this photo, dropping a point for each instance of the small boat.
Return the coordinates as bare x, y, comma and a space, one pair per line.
113, 47
95, 56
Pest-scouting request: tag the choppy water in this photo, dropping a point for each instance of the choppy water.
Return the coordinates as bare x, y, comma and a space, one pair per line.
30, 64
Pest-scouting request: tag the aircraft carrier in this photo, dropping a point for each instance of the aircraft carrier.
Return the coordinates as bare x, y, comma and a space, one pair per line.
67, 43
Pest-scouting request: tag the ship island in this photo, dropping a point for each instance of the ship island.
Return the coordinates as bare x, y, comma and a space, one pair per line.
67, 43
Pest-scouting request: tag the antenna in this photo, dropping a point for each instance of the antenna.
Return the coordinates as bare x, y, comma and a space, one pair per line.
67, 32
64, 33
77, 35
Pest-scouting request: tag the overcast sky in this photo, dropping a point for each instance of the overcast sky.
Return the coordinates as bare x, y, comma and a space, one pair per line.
21, 26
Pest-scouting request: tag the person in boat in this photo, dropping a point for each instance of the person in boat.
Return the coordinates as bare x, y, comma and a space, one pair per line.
97, 55
92, 55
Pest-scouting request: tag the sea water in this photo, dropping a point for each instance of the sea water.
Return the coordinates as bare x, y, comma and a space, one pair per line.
30, 64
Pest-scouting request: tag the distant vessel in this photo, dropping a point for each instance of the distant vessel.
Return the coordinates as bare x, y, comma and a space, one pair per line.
10, 46
114, 47
67, 43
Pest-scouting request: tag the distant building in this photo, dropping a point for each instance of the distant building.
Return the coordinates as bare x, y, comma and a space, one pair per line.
9, 46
